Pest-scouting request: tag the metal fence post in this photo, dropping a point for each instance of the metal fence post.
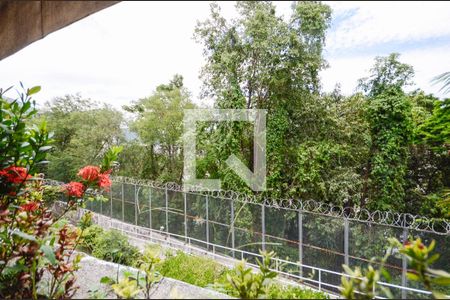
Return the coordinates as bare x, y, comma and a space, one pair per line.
232, 227
111, 204
300, 242
263, 227
404, 264
123, 205
150, 210
185, 218
320, 280
346, 232
207, 221
167, 211
136, 191
101, 207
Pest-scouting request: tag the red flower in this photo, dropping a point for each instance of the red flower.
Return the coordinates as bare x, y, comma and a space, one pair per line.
75, 189
104, 181
14, 174
30, 206
89, 173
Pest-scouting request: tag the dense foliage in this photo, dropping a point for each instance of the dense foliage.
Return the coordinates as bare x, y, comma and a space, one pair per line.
195, 270
158, 123
83, 132
113, 246
380, 148
31, 242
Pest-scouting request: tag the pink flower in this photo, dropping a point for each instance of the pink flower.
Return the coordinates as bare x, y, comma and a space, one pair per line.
89, 173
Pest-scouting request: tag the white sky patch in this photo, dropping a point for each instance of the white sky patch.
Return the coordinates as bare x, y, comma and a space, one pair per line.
122, 53
383, 22
427, 62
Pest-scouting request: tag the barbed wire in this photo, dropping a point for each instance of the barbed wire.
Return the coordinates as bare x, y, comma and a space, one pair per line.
390, 218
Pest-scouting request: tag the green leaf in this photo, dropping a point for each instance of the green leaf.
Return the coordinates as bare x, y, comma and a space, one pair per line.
413, 277
432, 245
386, 274
387, 292
24, 235
438, 295
13, 270
348, 270
6, 111
49, 254
441, 273
107, 280
6, 128
33, 90
26, 106
45, 148
433, 258
441, 280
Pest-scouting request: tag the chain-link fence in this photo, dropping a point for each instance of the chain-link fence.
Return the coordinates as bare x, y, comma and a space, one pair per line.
310, 234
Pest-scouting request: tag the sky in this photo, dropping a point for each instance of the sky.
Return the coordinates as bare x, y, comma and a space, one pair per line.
123, 52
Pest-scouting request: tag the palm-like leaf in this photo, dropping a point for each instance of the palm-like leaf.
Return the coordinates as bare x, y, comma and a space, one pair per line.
443, 78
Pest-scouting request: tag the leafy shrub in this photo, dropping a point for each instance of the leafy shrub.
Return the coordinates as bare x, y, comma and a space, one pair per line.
113, 246
206, 272
89, 237
291, 292
249, 285
51, 194
85, 221
362, 283
153, 250
191, 269
126, 288
147, 264
242, 282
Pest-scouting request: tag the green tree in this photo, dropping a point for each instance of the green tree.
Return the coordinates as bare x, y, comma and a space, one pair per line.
436, 130
386, 74
159, 125
258, 60
83, 131
433, 134
390, 121
428, 162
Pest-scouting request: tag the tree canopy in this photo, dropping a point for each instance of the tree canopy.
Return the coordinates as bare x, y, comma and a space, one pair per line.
83, 131
381, 148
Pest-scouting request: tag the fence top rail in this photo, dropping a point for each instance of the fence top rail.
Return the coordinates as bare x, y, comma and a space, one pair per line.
387, 218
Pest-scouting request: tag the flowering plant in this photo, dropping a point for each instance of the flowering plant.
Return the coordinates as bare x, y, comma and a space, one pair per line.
93, 179
30, 244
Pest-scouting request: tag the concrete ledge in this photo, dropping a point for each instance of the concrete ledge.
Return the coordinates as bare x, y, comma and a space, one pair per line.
93, 269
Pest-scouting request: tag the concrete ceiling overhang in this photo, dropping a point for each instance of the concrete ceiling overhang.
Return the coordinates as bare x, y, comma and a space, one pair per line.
24, 22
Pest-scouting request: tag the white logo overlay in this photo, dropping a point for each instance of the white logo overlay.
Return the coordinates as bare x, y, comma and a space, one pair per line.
256, 180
